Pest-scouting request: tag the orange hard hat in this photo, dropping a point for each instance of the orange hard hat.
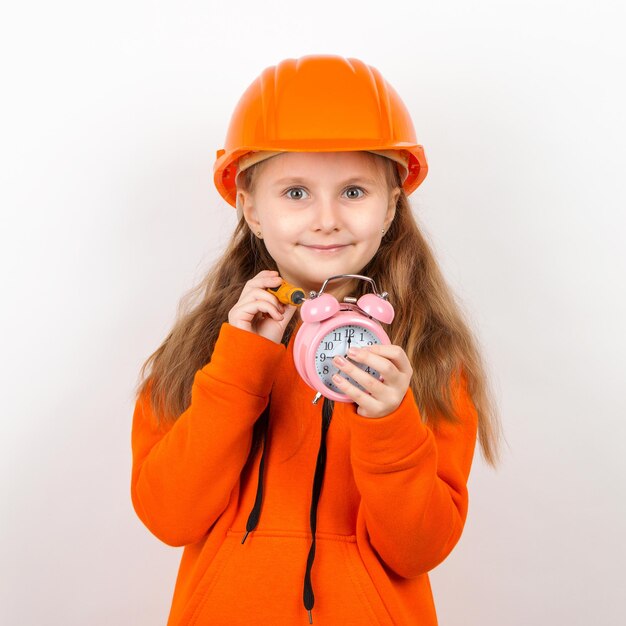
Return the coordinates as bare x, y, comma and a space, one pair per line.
319, 103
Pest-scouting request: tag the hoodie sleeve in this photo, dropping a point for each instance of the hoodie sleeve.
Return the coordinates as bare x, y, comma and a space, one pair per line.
183, 474
413, 481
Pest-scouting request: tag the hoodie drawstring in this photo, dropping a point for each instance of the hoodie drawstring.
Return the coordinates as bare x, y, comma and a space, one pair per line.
253, 518
320, 467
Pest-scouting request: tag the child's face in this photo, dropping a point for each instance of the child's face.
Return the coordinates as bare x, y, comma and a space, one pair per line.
304, 199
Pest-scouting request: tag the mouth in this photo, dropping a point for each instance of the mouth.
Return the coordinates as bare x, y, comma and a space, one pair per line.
327, 249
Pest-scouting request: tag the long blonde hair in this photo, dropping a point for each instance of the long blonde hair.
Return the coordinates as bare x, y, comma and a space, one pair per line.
428, 323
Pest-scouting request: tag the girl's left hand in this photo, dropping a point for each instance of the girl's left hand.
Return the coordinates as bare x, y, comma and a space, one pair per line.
381, 396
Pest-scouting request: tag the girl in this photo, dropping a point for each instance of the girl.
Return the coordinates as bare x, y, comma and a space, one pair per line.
229, 452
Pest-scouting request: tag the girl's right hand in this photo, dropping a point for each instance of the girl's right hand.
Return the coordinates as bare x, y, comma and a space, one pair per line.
258, 311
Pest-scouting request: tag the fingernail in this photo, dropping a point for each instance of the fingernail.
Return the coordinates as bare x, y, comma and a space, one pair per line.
352, 352
340, 360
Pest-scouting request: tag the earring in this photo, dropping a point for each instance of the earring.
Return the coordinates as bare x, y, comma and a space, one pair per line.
383, 231
259, 233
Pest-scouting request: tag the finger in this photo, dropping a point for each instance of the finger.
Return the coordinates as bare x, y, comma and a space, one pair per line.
392, 353
265, 273
368, 380
386, 368
249, 310
288, 312
261, 294
263, 280
364, 399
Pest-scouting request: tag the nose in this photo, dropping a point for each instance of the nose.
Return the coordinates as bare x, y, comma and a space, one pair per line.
327, 214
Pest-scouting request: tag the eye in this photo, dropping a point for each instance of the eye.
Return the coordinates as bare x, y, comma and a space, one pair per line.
296, 189
350, 191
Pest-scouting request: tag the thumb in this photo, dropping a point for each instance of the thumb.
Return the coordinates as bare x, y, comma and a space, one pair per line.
289, 311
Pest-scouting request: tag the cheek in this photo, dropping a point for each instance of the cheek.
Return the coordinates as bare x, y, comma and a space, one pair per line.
370, 235
282, 232
369, 230
284, 226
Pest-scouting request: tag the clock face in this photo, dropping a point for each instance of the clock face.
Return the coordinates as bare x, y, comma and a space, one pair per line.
337, 342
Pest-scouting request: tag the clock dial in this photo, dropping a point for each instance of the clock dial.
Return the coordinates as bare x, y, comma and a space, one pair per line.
337, 342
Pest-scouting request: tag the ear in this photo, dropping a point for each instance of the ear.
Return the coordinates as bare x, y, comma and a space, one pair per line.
245, 202
391, 209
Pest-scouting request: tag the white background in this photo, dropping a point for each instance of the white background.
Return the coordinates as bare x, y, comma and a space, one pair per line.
111, 116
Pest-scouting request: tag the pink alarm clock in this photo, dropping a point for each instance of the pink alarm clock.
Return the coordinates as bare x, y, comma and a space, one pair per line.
329, 328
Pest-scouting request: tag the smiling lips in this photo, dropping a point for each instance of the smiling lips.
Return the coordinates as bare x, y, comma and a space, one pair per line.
331, 248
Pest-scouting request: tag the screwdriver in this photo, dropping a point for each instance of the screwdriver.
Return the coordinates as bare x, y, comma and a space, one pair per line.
288, 294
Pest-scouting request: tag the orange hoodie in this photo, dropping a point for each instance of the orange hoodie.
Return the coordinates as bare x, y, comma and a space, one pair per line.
392, 504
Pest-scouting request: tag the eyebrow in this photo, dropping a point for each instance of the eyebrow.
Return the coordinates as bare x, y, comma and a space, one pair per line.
299, 180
